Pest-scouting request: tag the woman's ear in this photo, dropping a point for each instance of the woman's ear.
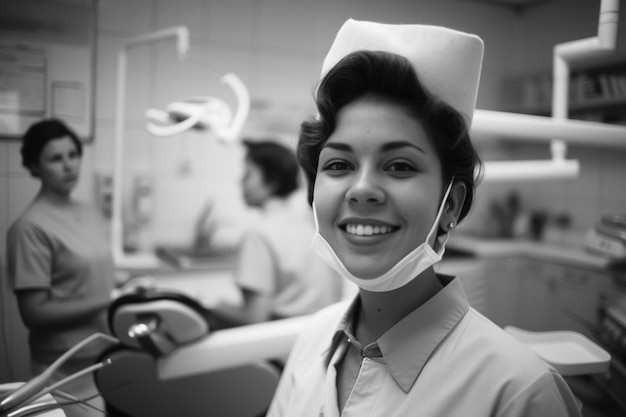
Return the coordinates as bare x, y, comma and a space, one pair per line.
454, 204
33, 169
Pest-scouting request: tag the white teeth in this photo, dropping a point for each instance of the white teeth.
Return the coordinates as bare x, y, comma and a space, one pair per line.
367, 229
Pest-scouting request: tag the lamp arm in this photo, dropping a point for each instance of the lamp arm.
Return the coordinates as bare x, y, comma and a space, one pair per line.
230, 133
181, 33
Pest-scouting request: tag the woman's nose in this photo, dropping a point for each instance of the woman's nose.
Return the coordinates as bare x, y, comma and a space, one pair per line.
366, 189
70, 164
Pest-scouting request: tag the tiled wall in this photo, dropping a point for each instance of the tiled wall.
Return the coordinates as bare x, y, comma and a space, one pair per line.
276, 47
597, 190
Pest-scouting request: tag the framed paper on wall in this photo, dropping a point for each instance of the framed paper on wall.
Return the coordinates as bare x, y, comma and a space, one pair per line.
47, 54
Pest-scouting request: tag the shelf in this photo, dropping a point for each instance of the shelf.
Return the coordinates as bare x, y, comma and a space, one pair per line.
591, 104
597, 94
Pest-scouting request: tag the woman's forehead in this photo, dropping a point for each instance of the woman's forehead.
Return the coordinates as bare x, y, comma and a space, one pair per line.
383, 123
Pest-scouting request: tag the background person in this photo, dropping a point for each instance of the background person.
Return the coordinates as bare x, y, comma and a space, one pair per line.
392, 173
59, 261
276, 271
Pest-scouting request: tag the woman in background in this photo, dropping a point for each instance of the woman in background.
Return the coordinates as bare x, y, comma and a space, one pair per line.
392, 172
59, 261
277, 273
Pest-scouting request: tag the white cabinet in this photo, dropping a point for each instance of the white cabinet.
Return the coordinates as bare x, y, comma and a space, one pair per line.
542, 296
559, 297
535, 294
503, 291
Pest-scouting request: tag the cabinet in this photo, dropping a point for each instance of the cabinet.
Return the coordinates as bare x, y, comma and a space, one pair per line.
503, 290
539, 295
596, 94
536, 294
560, 297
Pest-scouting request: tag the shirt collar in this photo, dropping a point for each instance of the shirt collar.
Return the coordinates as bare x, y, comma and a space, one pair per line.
344, 326
408, 345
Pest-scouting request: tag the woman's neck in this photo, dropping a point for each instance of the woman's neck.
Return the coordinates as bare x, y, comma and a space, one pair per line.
50, 196
379, 311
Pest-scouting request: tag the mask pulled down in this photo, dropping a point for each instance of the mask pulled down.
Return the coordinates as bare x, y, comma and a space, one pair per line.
403, 272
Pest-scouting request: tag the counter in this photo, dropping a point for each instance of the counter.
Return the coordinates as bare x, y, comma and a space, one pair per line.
572, 253
208, 279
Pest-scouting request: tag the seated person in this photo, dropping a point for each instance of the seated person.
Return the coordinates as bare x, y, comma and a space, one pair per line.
221, 224
276, 271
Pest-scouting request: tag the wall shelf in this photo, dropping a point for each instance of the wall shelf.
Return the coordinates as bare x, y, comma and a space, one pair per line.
597, 94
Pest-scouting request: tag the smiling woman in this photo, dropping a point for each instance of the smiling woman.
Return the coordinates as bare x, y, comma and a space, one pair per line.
391, 171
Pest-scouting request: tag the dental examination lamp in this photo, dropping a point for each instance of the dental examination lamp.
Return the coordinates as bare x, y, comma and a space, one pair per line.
208, 113
202, 113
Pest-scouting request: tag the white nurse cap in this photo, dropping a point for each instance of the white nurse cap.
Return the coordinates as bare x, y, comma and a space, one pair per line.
447, 61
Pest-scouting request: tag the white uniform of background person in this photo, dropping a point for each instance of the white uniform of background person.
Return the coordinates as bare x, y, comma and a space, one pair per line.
409, 344
277, 273
279, 262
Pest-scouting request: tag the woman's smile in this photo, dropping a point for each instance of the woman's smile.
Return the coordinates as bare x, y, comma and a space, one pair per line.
360, 231
367, 229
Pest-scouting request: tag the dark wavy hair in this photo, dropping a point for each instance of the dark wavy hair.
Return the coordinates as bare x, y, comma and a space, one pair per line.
278, 165
391, 77
37, 137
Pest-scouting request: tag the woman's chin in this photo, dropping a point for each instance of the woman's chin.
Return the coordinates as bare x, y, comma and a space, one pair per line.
366, 272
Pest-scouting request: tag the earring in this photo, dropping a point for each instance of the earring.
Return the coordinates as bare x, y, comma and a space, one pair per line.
451, 225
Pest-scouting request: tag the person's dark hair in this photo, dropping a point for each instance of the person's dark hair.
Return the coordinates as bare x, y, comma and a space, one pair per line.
391, 77
278, 164
37, 137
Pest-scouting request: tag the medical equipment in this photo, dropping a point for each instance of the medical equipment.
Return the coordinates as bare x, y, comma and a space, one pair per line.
195, 112
45, 406
19, 400
568, 352
170, 363
200, 112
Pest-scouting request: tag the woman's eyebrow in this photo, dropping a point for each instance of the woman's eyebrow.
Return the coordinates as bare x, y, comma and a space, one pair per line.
339, 146
389, 146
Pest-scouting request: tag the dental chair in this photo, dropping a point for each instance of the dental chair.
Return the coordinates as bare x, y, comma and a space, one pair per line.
171, 363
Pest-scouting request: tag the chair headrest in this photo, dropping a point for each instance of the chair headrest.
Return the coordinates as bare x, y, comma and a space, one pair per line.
168, 318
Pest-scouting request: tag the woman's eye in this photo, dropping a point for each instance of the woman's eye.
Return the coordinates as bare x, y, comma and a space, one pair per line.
336, 166
401, 167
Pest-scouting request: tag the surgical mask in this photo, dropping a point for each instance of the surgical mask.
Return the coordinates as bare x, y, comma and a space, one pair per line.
408, 268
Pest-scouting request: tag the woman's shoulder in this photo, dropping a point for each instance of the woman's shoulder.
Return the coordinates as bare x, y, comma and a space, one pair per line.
30, 217
502, 349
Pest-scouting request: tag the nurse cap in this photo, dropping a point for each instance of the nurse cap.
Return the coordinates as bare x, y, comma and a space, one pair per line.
447, 61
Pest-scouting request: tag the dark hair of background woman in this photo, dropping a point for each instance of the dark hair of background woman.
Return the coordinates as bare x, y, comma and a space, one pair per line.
37, 137
278, 164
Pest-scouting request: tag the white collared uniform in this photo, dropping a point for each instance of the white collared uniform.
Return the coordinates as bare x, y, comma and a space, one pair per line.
275, 259
470, 367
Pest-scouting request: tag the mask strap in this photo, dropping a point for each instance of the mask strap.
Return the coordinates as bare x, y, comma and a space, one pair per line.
440, 212
317, 225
